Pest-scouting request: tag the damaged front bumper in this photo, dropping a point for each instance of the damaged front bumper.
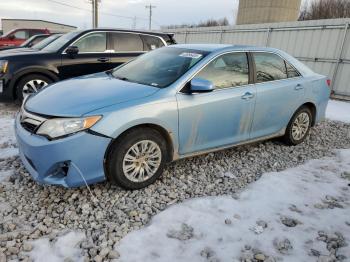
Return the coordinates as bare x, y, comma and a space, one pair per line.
72, 161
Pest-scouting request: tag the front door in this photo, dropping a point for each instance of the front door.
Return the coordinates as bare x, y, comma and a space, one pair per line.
92, 57
222, 117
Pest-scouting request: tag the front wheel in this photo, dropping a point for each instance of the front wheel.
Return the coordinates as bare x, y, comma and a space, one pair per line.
298, 127
137, 159
31, 84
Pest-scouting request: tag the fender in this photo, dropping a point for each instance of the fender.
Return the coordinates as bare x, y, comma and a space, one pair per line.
49, 72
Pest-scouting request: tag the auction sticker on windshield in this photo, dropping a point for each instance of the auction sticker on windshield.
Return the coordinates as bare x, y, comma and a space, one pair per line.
191, 55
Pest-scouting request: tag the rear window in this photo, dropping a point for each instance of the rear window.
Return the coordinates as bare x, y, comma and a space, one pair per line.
125, 42
35, 32
151, 42
291, 71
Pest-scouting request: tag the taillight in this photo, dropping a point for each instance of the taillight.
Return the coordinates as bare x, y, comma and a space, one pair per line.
328, 81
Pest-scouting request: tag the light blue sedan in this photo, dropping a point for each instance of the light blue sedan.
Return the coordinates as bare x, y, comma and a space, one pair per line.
124, 125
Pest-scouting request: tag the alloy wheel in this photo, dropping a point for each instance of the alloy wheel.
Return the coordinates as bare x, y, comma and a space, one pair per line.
300, 126
142, 161
33, 86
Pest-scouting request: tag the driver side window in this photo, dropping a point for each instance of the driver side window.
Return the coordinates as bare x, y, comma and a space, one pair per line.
92, 43
229, 70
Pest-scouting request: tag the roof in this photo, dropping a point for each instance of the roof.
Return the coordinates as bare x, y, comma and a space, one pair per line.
222, 47
36, 20
158, 33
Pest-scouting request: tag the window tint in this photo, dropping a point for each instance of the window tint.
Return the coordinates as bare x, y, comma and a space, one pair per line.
291, 72
95, 42
124, 42
151, 42
21, 34
35, 32
269, 67
38, 39
227, 71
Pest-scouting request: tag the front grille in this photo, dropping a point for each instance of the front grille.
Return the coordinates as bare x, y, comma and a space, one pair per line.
29, 121
29, 127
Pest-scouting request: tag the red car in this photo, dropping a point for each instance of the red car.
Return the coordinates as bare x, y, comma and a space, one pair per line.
17, 36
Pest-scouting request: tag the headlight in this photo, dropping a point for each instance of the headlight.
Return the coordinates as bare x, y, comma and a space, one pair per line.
58, 127
3, 66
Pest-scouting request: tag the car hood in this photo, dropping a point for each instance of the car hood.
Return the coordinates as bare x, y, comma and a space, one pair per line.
9, 53
15, 50
78, 96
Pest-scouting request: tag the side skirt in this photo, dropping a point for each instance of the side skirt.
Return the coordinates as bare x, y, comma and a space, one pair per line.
246, 142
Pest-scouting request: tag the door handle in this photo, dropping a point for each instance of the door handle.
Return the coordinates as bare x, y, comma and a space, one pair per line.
247, 96
298, 87
103, 59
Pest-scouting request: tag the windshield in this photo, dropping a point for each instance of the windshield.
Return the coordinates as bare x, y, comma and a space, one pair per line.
159, 68
28, 41
60, 42
46, 41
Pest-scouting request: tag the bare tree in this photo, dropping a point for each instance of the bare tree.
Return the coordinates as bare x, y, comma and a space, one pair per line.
325, 9
213, 22
207, 23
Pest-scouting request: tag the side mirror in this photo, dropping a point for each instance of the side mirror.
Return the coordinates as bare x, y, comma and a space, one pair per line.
200, 85
72, 50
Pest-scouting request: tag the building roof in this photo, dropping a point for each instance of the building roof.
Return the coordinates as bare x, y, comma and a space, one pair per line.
36, 20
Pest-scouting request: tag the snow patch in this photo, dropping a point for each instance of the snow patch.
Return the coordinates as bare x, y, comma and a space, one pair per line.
8, 146
338, 110
64, 248
4, 175
294, 206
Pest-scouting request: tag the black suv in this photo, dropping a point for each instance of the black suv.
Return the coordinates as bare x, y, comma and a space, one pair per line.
73, 54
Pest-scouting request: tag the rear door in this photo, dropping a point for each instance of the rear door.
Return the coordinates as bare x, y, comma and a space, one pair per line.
279, 92
93, 56
222, 117
124, 47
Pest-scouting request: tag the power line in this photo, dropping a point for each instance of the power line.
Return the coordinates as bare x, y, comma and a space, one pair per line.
68, 5
89, 10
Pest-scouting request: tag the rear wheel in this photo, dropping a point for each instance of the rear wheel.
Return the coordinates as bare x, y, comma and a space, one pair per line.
31, 84
137, 159
298, 127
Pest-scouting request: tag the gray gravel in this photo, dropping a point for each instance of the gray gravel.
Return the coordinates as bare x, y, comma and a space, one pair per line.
29, 210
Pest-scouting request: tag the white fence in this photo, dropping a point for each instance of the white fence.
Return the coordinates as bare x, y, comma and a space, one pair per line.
323, 45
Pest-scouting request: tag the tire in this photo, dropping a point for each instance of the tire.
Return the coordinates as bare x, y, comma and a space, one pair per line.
117, 164
298, 127
31, 84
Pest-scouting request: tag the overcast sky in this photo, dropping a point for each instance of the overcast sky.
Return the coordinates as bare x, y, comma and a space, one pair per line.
166, 12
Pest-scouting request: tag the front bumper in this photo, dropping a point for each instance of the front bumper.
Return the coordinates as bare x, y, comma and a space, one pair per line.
5, 87
67, 161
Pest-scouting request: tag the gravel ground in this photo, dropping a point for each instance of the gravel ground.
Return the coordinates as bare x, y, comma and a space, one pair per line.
29, 211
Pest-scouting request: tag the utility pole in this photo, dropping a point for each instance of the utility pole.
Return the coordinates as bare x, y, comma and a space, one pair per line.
150, 7
134, 22
95, 13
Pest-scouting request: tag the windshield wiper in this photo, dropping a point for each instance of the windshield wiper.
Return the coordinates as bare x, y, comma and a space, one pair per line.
123, 78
